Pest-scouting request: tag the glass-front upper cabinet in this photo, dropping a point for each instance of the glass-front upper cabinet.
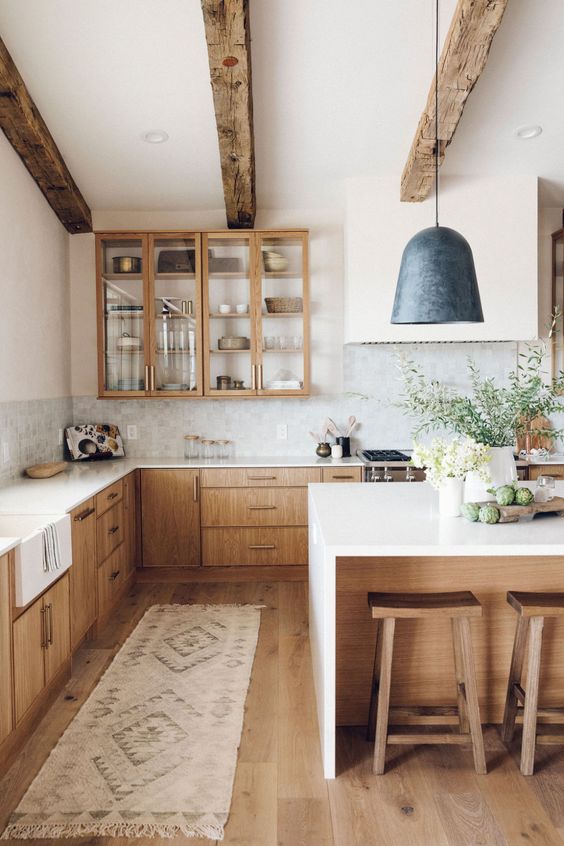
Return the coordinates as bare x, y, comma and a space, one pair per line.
283, 326
230, 314
175, 283
123, 331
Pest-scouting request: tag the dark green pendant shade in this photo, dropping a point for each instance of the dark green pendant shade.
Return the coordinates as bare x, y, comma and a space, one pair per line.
437, 280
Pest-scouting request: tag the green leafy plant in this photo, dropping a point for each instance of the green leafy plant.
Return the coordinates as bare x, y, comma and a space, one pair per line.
491, 414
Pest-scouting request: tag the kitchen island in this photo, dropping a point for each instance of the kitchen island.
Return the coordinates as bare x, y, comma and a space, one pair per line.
391, 538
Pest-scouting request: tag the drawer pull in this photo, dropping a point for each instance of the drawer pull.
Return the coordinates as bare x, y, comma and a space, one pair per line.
262, 507
113, 495
196, 489
114, 575
113, 530
342, 477
49, 612
84, 514
260, 478
262, 546
44, 641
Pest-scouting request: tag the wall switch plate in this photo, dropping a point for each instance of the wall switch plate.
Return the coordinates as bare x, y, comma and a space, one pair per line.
5, 453
131, 432
282, 432
60, 439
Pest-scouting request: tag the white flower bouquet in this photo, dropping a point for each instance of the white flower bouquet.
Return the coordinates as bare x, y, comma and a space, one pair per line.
452, 460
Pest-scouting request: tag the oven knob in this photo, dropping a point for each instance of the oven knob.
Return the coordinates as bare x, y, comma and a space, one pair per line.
409, 475
387, 476
375, 475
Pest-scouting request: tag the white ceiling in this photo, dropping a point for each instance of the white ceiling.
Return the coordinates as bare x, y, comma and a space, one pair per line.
338, 88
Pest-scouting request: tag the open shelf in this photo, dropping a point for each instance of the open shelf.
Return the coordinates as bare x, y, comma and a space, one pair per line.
282, 314
170, 276
113, 277
228, 352
229, 274
215, 315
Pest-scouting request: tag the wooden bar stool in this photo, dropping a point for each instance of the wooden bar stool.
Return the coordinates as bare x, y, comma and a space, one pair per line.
459, 607
532, 609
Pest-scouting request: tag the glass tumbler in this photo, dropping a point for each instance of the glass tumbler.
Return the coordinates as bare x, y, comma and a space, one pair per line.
191, 446
222, 448
544, 490
208, 448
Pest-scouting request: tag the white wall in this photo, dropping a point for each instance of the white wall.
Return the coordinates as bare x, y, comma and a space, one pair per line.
326, 269
34, 311
499, 218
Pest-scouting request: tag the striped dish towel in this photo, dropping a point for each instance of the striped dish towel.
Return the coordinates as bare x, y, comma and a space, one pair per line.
51, 550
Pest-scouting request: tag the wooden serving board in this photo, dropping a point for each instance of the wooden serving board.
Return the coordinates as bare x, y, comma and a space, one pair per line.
513, 513
45, 471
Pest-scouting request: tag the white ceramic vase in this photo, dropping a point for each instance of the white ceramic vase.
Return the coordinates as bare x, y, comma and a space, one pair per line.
450, 497
502, 470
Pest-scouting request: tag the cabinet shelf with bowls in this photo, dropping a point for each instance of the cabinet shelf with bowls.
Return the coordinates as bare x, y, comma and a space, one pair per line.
153, 290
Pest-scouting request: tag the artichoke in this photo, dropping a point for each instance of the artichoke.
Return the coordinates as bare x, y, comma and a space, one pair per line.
489, 514
470, 510
523, 496
504, 495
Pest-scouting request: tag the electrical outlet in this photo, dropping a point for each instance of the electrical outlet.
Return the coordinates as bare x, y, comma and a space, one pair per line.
5, 453
282, 432
60, 440
131, 432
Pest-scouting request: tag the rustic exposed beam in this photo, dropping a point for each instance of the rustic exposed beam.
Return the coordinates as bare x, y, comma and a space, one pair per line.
29, 135
229, 53
463, 59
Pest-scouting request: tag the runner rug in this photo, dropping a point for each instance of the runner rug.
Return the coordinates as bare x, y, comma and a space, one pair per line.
153, 750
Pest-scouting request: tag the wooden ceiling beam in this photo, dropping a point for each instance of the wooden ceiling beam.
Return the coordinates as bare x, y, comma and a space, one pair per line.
29, 135
463, 58
229, 52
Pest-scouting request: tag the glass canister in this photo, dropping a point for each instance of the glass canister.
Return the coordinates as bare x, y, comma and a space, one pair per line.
191, 446
544, 491
222, 449
208, 448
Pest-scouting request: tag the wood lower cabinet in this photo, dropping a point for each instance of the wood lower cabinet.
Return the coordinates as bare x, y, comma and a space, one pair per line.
341, 474
170, 509
254, 507
112, 578
554, 470
6, 708
259, 477
272, 545
109, 532
82, 574
41, 644
130, 522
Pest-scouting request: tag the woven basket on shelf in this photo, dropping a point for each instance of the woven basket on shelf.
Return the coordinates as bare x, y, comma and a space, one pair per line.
278, 305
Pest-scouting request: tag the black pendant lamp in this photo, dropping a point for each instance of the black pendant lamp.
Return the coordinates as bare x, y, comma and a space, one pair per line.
437, 278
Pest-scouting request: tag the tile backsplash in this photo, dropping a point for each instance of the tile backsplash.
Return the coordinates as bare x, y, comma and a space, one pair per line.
371, 387
30, 431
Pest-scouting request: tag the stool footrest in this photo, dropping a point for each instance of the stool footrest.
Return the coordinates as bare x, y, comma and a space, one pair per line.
550, 739
518, 693
428, 738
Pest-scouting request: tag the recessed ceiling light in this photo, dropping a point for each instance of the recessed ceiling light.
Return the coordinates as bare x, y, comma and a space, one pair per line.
156, 136
530, 131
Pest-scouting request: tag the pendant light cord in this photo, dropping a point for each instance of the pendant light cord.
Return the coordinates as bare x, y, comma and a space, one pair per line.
437, 113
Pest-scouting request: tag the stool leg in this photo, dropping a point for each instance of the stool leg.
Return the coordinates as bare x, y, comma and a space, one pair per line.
382, 713
531, 697
471, 691
374, 686
459, 673
515, 675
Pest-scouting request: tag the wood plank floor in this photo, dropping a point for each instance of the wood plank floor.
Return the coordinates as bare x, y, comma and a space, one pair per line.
430, 796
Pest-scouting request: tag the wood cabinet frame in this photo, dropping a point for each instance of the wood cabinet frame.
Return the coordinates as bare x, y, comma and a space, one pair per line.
201, 312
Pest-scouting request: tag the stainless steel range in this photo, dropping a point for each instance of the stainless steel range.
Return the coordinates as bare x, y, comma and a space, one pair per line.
388, 465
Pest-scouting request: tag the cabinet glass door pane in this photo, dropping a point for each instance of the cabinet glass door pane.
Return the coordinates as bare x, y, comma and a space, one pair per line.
176, 275
123, 314
282, 286
230, 312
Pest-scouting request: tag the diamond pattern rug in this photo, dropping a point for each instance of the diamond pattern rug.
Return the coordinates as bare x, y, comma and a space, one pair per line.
153, 750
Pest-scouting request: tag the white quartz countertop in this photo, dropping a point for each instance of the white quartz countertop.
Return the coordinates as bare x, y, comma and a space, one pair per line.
393, 520
83, 480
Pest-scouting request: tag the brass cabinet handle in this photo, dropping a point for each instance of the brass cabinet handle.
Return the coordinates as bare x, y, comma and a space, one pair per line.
147, 381
342, 477
262, 507
196, 488
83, 515
50, 615
44, 643
253, 377
260, 478
114, 575
112, 495
262, 546
260, 386
152, 377
113, 530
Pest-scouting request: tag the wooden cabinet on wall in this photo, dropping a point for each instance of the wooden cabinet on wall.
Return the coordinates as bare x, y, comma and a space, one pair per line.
41, 644
82, 574
6, 685
170, 518
163, 323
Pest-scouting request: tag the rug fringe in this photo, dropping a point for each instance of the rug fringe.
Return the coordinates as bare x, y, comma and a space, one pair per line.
46, 831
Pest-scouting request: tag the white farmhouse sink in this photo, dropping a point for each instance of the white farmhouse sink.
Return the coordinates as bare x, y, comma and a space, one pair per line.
31, 580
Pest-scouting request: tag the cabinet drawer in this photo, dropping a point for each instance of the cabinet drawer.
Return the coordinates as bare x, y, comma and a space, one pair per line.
109, 531
229, 547
254, 507
108, 497
259, 477
341, 474
554, 470
111, 578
